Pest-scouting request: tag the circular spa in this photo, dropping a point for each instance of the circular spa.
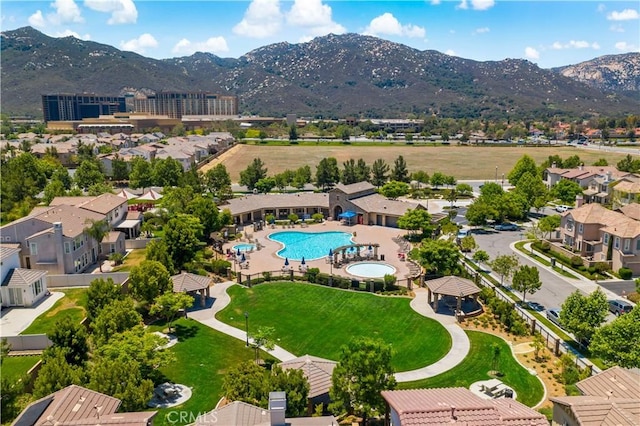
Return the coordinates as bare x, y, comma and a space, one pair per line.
244, 247
370, 269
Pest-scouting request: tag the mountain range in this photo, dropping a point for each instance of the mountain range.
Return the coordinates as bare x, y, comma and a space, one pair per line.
330, 76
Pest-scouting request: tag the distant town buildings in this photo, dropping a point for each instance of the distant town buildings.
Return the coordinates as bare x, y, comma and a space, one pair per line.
69, 107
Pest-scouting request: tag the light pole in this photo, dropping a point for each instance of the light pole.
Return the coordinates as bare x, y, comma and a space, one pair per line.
496, 180
246, 326
330, 267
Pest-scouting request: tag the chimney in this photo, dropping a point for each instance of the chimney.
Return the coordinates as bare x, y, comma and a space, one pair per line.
579, 200
608, 176
553, 165
277, 408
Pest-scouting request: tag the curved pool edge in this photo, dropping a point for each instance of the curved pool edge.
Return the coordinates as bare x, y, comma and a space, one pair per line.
390, 269
307, 259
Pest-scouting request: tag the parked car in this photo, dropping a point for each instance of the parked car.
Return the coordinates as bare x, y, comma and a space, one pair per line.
553, 315
562, 208
507, 227
620, 307
535, 306
462, 233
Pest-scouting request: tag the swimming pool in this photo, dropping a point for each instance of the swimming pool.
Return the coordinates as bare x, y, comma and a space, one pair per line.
310, 245
244, 247
370, 269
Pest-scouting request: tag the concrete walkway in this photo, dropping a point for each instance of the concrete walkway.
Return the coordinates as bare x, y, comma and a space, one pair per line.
459, 346
15, 320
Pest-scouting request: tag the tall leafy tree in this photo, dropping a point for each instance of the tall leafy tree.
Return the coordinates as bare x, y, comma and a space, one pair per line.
218, 181
525, 164
363, 371
349, 172
293, 133
400, 172
549, 224
439, 256
379, 172
505, 265
253, 173
56, 373
246, 382
169, 304
416, 220
166, 172
72, 338
394, 189
437, 179
149, 280
531, 188
526, 280
122, 379
120, 169
363, 171
327, 173
101, 292
159, 251
206, 211
97, 229
566, 190
114, 318
618, 343
295, 386
582, 315
141, 173
88, 173
629, 164
182, 235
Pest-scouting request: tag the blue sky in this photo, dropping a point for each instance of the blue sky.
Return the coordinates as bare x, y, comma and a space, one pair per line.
548, 33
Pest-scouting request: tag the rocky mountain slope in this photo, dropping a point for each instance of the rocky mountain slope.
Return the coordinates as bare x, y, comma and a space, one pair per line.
616, 73
330, 76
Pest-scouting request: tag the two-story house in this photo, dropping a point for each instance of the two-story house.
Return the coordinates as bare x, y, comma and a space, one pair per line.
20, 287
626, 191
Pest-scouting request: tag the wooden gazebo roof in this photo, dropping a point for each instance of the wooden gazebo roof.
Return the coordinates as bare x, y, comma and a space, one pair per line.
189, 282
453, 286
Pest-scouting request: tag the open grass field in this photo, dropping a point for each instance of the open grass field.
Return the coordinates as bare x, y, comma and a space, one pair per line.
478, 363
463, 162
315, 320
14, 367
203, 356
71, 305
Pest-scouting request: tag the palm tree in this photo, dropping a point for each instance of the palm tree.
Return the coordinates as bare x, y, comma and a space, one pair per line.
97, 229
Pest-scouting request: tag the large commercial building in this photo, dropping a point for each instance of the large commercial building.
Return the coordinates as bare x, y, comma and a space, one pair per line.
177, 104
70, 107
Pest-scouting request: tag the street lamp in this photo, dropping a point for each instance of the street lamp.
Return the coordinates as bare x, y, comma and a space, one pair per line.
496, 180
246, 326
330, 267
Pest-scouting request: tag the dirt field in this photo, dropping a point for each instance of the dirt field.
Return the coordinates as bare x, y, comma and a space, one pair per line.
463, 162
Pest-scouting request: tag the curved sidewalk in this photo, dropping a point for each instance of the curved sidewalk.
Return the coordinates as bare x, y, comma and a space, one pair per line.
459, 341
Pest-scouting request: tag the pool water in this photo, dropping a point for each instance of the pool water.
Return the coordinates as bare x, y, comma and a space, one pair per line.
244, 247
310, 245
370, 269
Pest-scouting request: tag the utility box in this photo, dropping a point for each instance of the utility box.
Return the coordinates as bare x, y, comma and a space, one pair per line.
277, 408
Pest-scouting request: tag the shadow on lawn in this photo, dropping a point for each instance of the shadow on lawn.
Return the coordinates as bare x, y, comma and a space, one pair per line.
185, 331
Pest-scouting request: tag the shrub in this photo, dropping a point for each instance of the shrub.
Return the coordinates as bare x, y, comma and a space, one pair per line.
625, 273
389, 281
312, 275
634, 297
267, 276
601, 267
116, 258
317, 217
576, 261
545, 246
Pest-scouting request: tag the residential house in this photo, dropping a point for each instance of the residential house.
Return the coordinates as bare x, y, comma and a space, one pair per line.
456, 406
611, 397
20, 287
75, 405
582, 175
626, 191
252, 208
318, 372
603, 235
113, 242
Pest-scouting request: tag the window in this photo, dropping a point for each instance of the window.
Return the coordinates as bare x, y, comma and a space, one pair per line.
638, 245
569, 225
67, 247
37, 287
627, 244
605, 238
580, 228
616, 243
33, 248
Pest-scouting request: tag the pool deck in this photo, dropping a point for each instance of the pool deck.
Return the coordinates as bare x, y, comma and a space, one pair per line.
266, 259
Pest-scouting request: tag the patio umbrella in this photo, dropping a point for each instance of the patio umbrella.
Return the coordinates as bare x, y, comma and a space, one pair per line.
286, 261
238, 252
330, 252
302, 262
243, 258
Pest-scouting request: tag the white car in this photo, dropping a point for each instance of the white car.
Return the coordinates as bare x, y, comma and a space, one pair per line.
562, 208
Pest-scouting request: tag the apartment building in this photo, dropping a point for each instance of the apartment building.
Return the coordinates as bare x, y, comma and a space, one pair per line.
70, 107
177, 104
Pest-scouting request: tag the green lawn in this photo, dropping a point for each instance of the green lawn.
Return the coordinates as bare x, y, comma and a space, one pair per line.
477, 364
315, 320
132, 259
202, 357
14, 367
71, 305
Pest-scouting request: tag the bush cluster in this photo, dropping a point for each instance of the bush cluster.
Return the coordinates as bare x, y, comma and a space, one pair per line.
505, 312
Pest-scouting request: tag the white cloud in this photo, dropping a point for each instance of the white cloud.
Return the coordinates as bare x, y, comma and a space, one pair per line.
262, 18
315, 17
65, 11
450, 52
37, 20
122, 11
68, 32
215, 45
387, 24
140, 44
476, 4
616, 28
531, 53
482, 30
575, 44
626, 47
625, 15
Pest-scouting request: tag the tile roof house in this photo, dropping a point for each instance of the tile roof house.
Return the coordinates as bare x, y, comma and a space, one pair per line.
78, 406
611, 397
582, 175
626, 191
603, 235
252, 208
318, 372
423, 407
20, 287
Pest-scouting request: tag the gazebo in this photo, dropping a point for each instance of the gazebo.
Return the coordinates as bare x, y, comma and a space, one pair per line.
192, 283
452, 287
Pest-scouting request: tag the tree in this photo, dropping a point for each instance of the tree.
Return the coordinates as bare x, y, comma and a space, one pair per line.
399, 172
480, 211
182, 234
5, 348
246, 382
437, 179
582, 315
169, 304
157, 250
526, 280
379, 173
122, 379
327, 173
97, 229
72, 337
54, 189
480, 256
253, 173
114, 318
88, 173
468, 243
601, 162
363, 171
265, 185
349, 172
525, 164
119, 168
566, 190
166, 172
452, 196
548, 224
505, 265
363, 371
141, 173
176, 199
628, 164
440, 256
206, 211
295, 386
101, 292
464, 189
420, 176
416, 220
262, 338
99, 189
56, 373
618, 343
149, 280
218, 182
293, 133
531, 188
394, 189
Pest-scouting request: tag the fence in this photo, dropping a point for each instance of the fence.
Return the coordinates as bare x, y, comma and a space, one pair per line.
83, 280
28, 342
552, 340
137, 244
